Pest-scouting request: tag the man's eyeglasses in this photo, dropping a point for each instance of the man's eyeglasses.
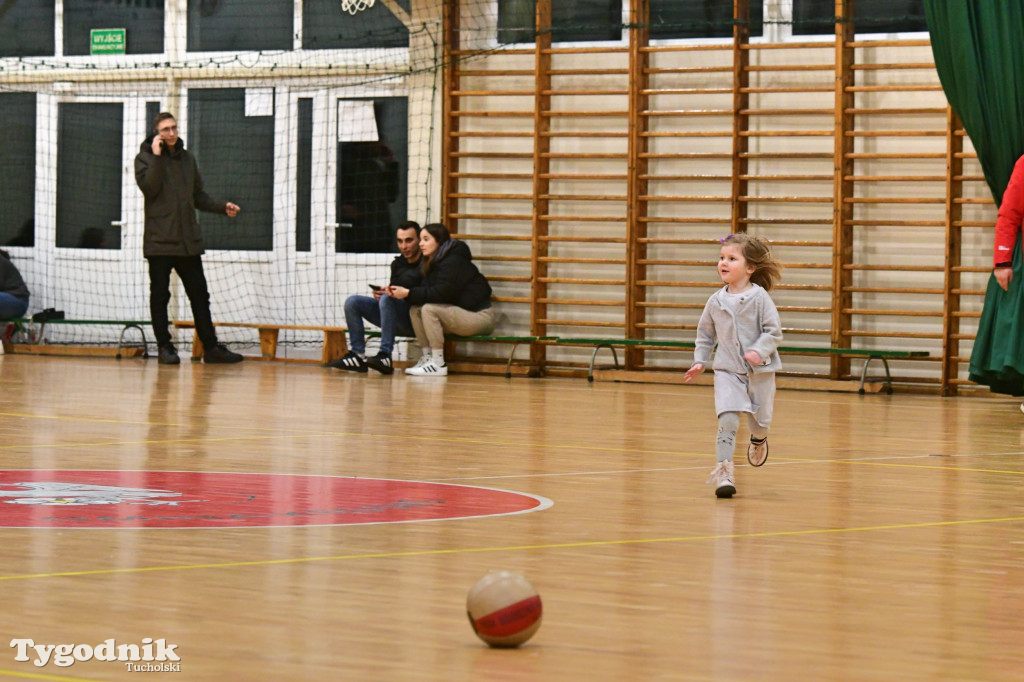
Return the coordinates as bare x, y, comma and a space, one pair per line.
168, 129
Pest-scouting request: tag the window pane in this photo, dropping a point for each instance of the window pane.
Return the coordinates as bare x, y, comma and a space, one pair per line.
817, 17
89, 142
304, 175
325, 25
26, 28
143, 21
571, 20
372, 183
235, 154
18, 159
699, 18
152, 109
234, 25
516, 19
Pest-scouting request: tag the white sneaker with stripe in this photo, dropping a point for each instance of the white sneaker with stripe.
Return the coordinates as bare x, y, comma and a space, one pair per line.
428, 369
424, 359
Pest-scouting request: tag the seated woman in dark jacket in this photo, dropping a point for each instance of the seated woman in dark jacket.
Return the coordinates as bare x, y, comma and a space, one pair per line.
13, 292
453, 298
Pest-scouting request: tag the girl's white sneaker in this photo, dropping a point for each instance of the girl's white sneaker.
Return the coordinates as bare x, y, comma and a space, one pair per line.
428, 369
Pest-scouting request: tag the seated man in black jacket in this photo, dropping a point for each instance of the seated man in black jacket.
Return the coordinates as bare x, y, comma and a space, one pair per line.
387, 312
454, 298
14, 293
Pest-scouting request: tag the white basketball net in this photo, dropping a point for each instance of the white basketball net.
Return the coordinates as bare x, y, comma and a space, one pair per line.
355, 6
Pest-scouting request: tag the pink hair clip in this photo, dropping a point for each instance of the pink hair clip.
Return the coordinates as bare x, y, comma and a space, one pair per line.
724, 239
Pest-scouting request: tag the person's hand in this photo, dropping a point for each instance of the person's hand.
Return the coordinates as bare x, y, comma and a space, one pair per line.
1004, 276
377, 293
754, 358
397, 292
693, 372
158, 145
232, 209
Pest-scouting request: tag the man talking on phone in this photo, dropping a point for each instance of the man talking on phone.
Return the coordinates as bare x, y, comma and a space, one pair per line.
390, 314
169, 179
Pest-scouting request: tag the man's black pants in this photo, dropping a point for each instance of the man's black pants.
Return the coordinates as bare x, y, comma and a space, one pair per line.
190, 270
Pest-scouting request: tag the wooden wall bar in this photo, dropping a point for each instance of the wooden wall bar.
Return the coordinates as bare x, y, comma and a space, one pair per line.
842, 188
593, 183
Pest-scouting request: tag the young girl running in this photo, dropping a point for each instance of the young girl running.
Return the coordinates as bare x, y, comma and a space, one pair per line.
741, 317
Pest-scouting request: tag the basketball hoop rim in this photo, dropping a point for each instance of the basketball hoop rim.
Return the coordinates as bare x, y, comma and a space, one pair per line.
354, 7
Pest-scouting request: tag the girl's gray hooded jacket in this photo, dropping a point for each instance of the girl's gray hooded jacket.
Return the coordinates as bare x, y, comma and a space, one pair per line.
754, 326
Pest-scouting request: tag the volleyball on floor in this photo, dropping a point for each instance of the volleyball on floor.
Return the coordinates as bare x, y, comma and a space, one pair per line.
504, 609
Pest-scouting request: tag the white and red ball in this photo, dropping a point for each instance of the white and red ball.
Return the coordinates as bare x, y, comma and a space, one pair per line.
504, 609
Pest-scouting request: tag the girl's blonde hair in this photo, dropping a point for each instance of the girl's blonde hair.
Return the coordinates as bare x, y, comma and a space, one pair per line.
757, 252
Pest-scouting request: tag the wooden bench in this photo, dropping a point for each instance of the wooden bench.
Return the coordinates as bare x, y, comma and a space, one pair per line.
652, 344
334, 339
41, 347
335, 345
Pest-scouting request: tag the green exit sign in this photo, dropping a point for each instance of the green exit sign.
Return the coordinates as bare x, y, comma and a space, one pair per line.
107, 41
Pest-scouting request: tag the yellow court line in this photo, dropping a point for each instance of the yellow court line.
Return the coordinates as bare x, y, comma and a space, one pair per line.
927, 466
130, 442
38, 676
777, 460
57, 417
515, 548
305, 434
421, 438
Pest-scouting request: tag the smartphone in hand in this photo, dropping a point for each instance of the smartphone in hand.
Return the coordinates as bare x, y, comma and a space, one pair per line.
376, 287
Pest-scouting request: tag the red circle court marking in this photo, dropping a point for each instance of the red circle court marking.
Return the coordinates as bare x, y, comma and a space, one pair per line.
49, 498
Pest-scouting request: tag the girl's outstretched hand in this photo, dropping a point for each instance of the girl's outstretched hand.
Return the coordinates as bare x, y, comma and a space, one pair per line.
693, 372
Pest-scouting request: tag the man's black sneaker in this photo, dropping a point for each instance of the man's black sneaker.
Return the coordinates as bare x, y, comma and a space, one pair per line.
380, 362
350, 362
220, 355
166, 355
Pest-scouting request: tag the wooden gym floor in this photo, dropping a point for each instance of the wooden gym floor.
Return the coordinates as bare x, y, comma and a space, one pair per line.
883, 540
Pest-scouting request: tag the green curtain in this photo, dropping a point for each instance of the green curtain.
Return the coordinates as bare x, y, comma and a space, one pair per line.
979, 53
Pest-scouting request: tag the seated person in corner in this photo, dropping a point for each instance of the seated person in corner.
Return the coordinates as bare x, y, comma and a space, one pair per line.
387, 312
13, 292
454, 298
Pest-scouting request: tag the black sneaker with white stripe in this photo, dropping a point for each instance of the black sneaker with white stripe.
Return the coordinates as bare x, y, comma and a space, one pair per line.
350, 362
380, 362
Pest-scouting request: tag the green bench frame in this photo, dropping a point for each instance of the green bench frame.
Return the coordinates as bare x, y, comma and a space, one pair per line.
125, 325
335, 341
514, 340
651, 344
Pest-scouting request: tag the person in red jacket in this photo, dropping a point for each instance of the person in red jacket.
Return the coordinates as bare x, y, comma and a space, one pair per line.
1008, 227
1011, 213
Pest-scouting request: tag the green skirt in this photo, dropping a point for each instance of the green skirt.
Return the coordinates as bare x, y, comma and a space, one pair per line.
997, 360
